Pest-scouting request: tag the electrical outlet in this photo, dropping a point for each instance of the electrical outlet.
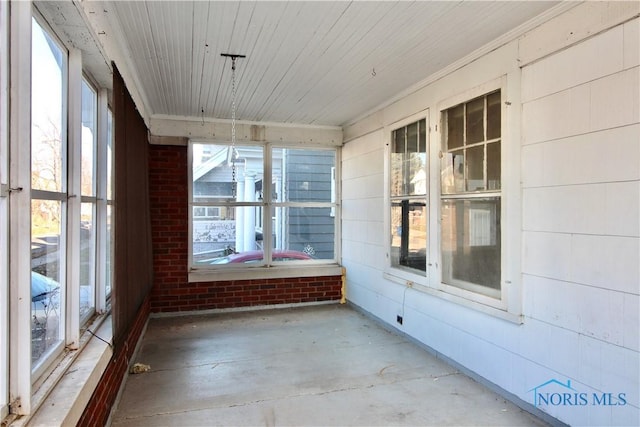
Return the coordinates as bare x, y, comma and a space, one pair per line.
399, 319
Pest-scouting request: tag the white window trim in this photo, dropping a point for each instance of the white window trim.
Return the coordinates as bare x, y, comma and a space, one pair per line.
20, 218
509, 306
4, 209
279, 269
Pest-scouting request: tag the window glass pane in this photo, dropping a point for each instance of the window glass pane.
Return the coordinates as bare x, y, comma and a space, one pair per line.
47, 102
409, 234
475, 168
455, 127
475, 121
471, 242
408, 169
87, 259
493, 166
214, 239
452, 172
47, 260
412, 138
397, 162
221, 172
494, 115
109, 155
89, 139
109, 249
306, 230
307, 175
398, 140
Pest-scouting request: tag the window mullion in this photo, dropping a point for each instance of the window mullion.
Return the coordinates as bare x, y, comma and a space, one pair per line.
267, 194
20, 214
74, 164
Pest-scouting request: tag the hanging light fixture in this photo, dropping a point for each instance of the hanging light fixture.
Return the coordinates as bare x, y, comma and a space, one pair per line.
233, 119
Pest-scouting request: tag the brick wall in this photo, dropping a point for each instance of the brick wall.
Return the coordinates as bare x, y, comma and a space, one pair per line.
168, 172
99, 407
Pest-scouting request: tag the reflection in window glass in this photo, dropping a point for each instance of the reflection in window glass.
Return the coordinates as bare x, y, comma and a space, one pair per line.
47, 262
409, 234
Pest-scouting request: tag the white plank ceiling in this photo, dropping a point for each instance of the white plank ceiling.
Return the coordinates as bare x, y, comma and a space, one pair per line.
320, 63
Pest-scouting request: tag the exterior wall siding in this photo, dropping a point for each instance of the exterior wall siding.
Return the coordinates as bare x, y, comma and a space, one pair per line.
579, 165
172, 291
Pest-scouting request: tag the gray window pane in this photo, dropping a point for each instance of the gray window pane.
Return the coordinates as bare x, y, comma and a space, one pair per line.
471, 242
475, 121
493, 115
455, 127
475, 168
493, 166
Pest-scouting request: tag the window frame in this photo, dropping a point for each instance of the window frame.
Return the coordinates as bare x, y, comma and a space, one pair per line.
62, 195
406, 196
271, 268
509, 304
30, 383
466, 194
402, 275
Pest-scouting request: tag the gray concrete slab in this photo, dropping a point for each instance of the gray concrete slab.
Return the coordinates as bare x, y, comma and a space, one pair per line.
314, 366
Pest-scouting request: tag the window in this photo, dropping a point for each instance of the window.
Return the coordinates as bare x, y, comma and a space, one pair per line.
408, 197
261, 205
471, 195
48, 195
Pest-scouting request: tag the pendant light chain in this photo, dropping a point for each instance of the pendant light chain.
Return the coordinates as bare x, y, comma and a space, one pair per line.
233, 120
233, 127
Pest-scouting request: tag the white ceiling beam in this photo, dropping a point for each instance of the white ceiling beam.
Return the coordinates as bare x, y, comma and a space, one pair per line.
170, 130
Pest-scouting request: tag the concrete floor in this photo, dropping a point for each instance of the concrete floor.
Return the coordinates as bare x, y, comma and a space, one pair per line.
321, 365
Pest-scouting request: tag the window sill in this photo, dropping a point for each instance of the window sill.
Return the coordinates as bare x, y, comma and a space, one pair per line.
277, 272
466, 302
67, 398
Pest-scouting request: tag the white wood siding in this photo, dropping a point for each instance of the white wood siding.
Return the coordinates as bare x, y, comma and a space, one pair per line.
578, 146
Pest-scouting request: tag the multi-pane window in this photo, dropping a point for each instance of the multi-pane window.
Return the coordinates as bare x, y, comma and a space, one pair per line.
261, 204
470, 195
408, 196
